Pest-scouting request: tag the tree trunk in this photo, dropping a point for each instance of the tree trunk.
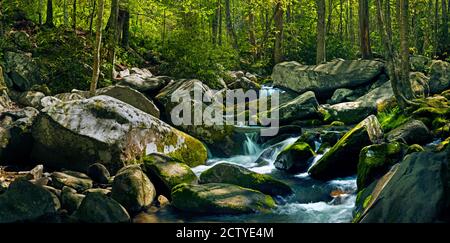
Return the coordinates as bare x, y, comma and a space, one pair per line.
436, 28
113, 33
49, 20
341, 15
230, 28
364, 33
97, 50
444, 40
74, 16
321, 30
65, 13
404, 50
215, 24
40, 7
91, 20
126, 29
220, 23
279, 33
330, 16
387, 19
351, 26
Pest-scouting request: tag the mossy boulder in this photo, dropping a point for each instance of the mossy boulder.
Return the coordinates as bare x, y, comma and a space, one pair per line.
413, 191
133, 189
439, 76
70, 199
99, 173
295, 158
342, 159
31, 99
240, 176
166, 173
415, 148
375, 160
26, 202
77, 134
217, 198
75, 180
349, 112
22, 69
98, 208
411, 132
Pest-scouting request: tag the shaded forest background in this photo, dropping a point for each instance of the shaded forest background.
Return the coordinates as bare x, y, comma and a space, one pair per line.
204, 38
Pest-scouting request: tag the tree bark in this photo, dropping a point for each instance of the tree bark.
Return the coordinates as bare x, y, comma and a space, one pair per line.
364, 33
220, 23
351, 25
387, 19
230, 28
330, 16
113, 33
91, 18
279, 33
74, 16
49, 20
126, 29
404, 50
436, 28
321, 30
341, 16
444, 40
97, 50
215, 24
65, 13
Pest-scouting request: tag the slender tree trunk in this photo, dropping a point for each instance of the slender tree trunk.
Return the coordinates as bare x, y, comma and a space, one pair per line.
215, 24
74, 16
404, 50
230, 28
113, 33
436, 28
279, 33
220, 23
445, 39
65, 13
126, 29
40, 7
91, 18
98, 44
251, 31
49, 20
341, 16
330, 16
351, 25
321, 30
387, 19
364, 33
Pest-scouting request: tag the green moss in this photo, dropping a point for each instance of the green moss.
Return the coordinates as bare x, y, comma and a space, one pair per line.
367, 201
392, 118
414, 149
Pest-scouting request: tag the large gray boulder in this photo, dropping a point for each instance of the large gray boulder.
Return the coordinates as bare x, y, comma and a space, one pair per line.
414, 191
77, 134
131, 97
26, 202
439, 76
411, 132
216, 198
22, 70
98, 208
324, 79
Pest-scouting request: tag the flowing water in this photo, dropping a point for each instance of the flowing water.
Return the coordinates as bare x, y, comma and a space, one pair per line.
313, 201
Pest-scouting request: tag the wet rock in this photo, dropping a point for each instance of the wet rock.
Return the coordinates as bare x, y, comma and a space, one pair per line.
98, 208
216, 198
31, 98
350, 112
240, 176
245, 84
414, 191
166, 173
77, 181
26, 202
340, 95
342, 159
324, 79
419, 63
375, 160
411, 132
103, 191
295, 159
22, 70
144, 81
439, 76
132, 189
77, 134
98, 173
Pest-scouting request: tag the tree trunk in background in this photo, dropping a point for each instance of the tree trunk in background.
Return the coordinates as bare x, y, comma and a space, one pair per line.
91, 18
49, 20
126, 29
74, 16
436, 28
113, 30
215, 24
444, 40
40, 7
220, 23
230, 28
321, 30
65, 13
364, 33
330, 16
404, 50
97, 50
341, 16
387, 19
279, 33
351, 26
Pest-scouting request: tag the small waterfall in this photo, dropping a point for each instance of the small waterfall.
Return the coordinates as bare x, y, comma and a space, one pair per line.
251, 147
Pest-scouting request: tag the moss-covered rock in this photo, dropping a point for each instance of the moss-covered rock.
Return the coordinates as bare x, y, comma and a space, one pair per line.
216, 198
443, 145
22, 70
75, 180
77, 134
240, 176
295, 158
98, 173
166, 173
439, 76
350, 112
342, 159
98, 208
132, 189
411, 132
415, 148
375, 160
70, 199
26, 202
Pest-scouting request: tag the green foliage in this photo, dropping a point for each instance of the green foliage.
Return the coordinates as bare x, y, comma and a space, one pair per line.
392, 118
